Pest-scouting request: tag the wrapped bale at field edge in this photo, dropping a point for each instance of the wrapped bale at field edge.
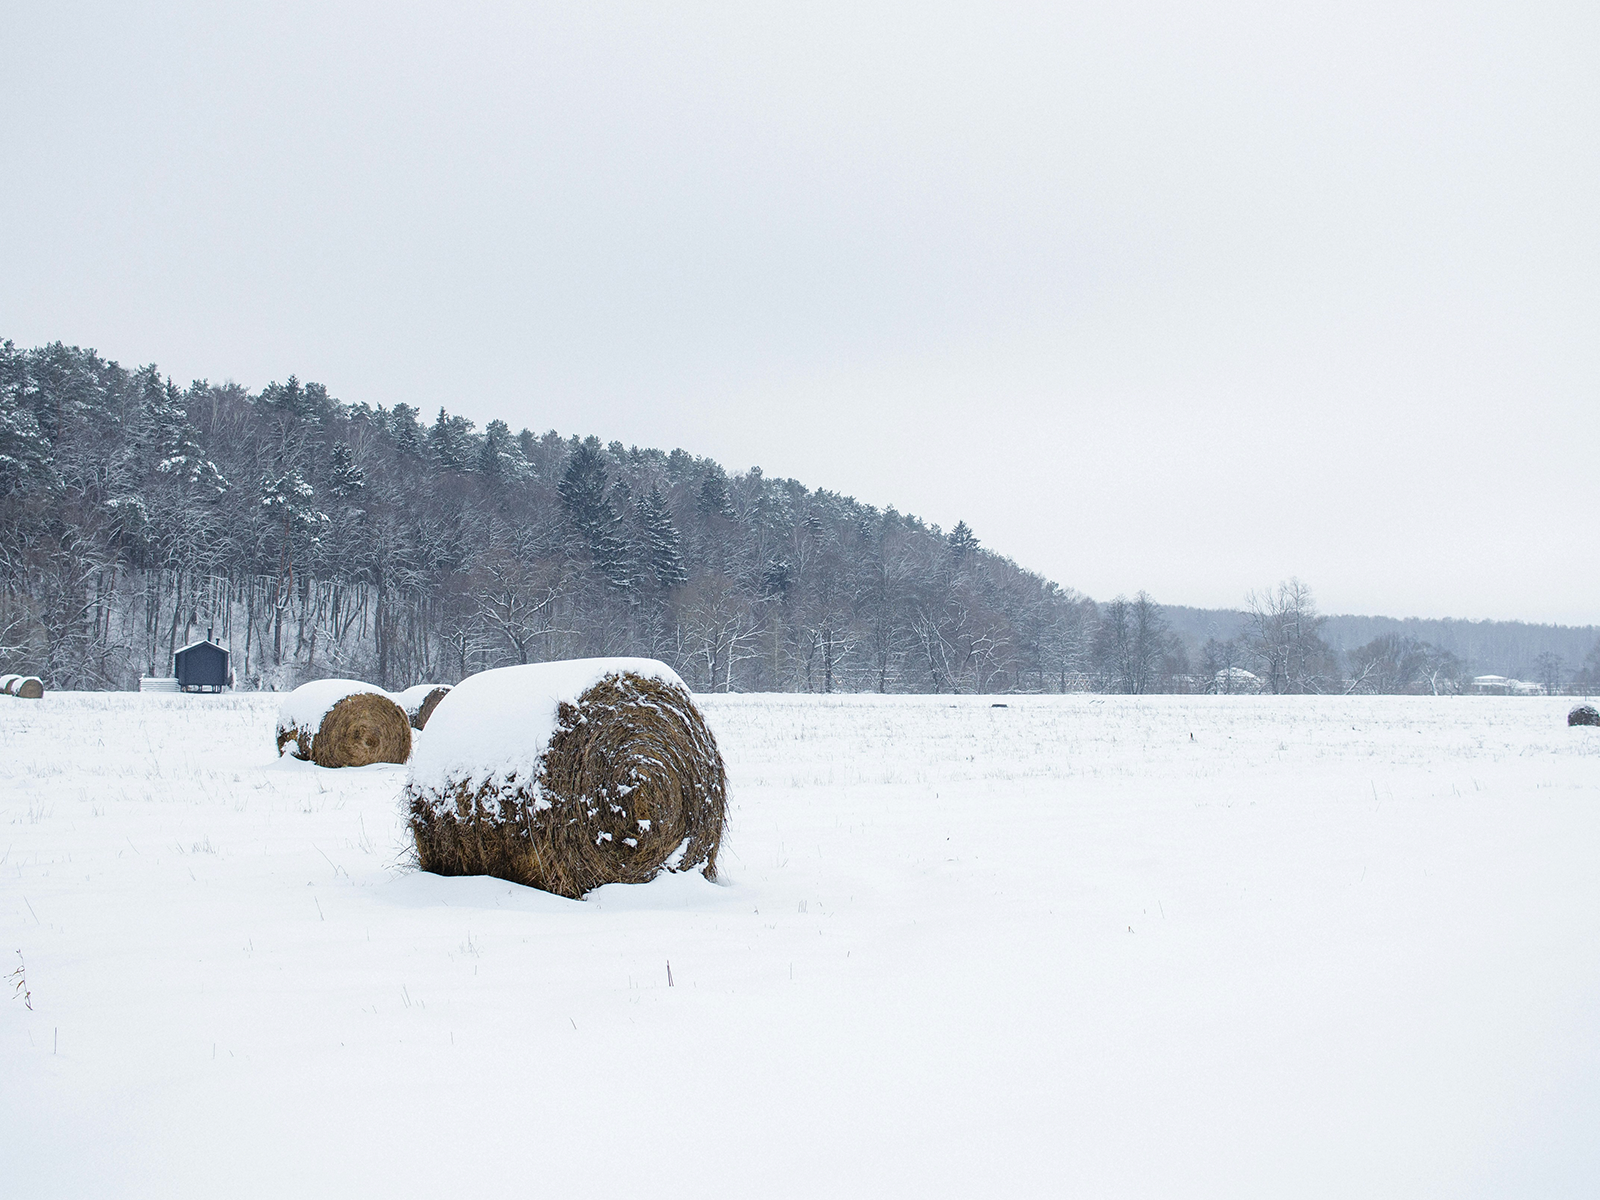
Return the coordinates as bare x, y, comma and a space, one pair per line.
420, 701
567, 776
343, 723
29, 687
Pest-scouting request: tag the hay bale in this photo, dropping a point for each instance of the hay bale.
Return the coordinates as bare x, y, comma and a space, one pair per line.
566, 776
1584, 714
343, 723
29, 687
7, 682
420, 701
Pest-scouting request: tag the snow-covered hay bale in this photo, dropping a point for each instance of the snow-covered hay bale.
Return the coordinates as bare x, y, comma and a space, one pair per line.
7, 682
29, 687
566, 776
420, 701
343, 723
1584, 714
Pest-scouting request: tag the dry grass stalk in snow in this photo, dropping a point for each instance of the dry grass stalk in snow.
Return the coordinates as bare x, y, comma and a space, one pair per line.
420, 701
629, 783
358, 729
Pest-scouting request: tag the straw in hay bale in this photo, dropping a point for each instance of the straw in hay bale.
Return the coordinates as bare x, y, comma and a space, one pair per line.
567, 776
420, 701
29, 687
343, 723
1584, 714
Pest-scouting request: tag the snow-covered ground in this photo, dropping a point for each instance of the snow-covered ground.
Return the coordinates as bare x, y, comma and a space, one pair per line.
1083, 946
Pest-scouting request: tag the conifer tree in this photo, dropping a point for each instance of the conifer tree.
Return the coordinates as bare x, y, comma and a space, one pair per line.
714, 500
447, 441
492, 455
962, 541
662, 546
584, 492
406, 431
345, 479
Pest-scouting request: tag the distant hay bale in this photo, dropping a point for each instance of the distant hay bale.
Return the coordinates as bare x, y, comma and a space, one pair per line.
29, 687
343, 723
1584, 714
567, 776
420, 701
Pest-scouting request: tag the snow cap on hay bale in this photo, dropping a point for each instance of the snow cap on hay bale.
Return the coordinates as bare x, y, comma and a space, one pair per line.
1584, 714
343, 723
420, 701
566, 776
29, 687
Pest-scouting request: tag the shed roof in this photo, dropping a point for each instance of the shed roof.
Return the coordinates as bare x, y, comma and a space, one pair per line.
200, 643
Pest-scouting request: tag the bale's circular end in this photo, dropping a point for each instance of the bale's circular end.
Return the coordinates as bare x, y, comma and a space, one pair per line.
420, 701
356, 729
29, 687
629, 784
362, 729
1584, 714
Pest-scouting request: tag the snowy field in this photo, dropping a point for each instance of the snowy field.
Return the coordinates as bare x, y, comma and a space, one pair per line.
1076, 946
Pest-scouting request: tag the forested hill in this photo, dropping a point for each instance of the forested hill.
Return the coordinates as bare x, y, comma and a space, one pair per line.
320, 538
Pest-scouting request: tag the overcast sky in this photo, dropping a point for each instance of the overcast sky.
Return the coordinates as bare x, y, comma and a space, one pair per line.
1171, 296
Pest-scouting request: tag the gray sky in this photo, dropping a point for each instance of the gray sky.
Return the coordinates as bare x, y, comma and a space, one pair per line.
1171, 296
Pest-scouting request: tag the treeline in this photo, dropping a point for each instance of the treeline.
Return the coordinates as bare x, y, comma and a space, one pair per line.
1418, 654
317, 538
320, 538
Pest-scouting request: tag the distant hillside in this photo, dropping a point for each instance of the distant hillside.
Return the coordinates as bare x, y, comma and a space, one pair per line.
1485, 647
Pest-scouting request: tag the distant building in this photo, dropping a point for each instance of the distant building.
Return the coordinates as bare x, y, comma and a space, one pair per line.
1236, 680
1501, 685
202, 667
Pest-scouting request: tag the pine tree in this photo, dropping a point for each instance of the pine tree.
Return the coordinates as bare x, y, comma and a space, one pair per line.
448, 439
583, 488
584, 491
714, 501
663, 552
406, 431
962, 541
345, 479
170, 442
492, 455
24, 453
291, 500
294, 403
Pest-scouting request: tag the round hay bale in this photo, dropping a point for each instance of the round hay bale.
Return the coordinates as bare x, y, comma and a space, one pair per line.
343, 723
29, 687
420, 701
7, 682
567, 776
1584, 714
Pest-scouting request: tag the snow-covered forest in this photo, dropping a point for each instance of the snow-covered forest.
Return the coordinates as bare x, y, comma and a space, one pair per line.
321, 538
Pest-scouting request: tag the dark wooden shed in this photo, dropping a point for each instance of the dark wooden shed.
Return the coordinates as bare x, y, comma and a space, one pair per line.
201, 667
